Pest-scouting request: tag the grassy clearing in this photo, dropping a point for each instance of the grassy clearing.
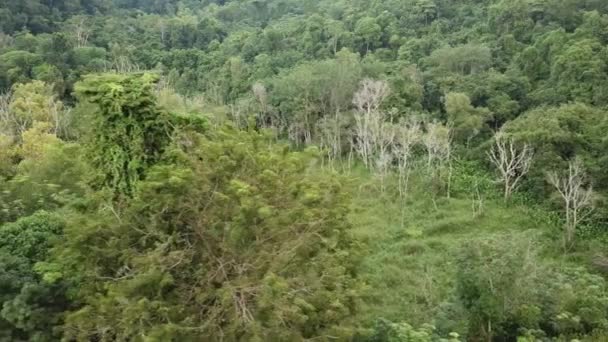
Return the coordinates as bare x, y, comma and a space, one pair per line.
412, 247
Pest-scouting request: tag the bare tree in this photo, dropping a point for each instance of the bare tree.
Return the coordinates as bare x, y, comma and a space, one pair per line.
237, 116
437, 140
162, 27
370, 95
122, 65
384, 158
329, 133
577, 199
81, 33
512, 163
408, 134
5, 40
299, 133
59, 116
10, 124
260, 93
5, 116
265, 116
370, 120
477, 202
120, 59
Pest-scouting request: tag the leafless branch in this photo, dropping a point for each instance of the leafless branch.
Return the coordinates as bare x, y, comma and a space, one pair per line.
512, 162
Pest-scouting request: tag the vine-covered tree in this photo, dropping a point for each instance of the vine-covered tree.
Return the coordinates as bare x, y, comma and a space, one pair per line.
209, 249
127, 131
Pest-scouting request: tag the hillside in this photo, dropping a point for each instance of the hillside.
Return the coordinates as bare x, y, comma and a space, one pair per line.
317, 170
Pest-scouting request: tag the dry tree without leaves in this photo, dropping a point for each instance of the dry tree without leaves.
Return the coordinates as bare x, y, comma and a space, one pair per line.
408, 135
576, 197
5, 117
81, 33
437, 141
371, 127
512, 162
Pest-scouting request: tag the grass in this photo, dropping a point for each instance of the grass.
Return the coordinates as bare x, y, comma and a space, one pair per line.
412, 247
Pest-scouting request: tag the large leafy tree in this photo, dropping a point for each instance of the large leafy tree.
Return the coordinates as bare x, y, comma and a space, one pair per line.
222, 234
30, 307
229, 237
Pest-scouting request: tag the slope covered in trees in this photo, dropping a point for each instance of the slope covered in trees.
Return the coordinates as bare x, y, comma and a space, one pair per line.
282, 170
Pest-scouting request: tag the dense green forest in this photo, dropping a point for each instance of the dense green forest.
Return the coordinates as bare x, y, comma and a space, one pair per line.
304, 170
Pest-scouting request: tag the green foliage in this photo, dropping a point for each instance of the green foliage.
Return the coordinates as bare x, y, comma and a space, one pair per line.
465, 59
508, 292
30, 308
385, 331
181, 228
496, 283
128, 132
17, 66
209, 247
467, 121
557, 136
30, 103
50, 175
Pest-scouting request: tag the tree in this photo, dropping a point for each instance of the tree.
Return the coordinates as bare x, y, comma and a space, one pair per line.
464, 59
578, 72
499, 281
30, 103
265, 117
330, 131
557, 135
426, 9
307, 93
409, 133
437, 140
576, 196
79, 28
209, 248
511, 161
128, 132
44, 173
16, 66
31, 308
371, 128
369, 31
5, 114
466, 120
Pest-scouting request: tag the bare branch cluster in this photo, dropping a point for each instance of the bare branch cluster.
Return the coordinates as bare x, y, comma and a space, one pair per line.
370, 95
511, 161
408, 135
81, 33
576, 197
438, 142
372, 130
5, 117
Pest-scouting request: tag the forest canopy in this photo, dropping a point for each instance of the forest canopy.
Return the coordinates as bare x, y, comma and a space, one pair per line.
303, 170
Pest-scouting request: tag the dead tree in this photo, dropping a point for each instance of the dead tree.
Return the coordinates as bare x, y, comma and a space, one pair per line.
81, 33
576, 197
437, 140
329, 132
261, 95
5, 114
477, 202
512, 163
408, 134
369, 119
384, 158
